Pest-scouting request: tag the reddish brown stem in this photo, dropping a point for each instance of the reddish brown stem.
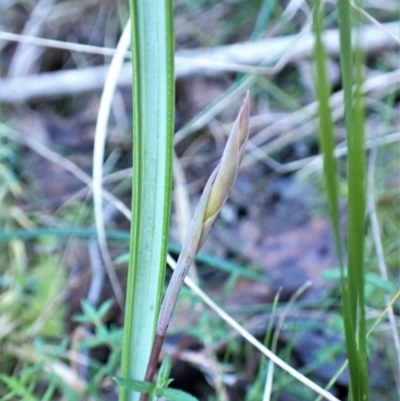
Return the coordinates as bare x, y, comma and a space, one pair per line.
153, 362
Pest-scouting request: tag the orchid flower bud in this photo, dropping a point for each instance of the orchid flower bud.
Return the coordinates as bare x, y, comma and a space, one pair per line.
214, 196
227, 169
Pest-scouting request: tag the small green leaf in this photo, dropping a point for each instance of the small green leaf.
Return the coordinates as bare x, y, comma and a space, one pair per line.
163, 379
16, 387
375, 280
91, 314
378, 282
88, 310
333, 273
135, 385
172, 394
124, 258
104, 308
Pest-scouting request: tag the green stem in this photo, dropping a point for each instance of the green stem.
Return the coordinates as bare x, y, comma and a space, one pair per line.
153, 112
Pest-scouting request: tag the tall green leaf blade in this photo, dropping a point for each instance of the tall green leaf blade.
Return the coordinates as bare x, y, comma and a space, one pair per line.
346, 58
358, 204
153, 112
326, 134
353, 291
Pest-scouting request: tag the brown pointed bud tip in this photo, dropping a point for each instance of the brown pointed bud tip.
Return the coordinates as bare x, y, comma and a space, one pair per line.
229, 165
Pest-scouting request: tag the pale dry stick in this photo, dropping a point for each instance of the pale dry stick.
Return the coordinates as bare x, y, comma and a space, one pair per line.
214, 196
309, 165
284, 123
118, 175
264, 119
251, 339
385, 311
107, 179
275, 339
374, 21
24, 61
290, 135
387, 5
291, 9
97, 279
376, 84
281, 62
285, 53
307, 128
67, 375
380, 255
182, 62
312, 163
248, 53
98, 157
59, 44
7, 326
63, 162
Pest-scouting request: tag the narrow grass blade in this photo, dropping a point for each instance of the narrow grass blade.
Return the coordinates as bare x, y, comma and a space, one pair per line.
353, 302
357, 205
326, 134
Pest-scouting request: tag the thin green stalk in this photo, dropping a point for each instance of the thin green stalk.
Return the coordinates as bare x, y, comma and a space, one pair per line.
326, 135
353, 304
358, 184
153, 112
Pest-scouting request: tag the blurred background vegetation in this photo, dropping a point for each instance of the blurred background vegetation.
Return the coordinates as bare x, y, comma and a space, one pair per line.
60, 324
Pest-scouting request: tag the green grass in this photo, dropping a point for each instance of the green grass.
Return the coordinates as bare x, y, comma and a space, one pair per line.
352, 289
